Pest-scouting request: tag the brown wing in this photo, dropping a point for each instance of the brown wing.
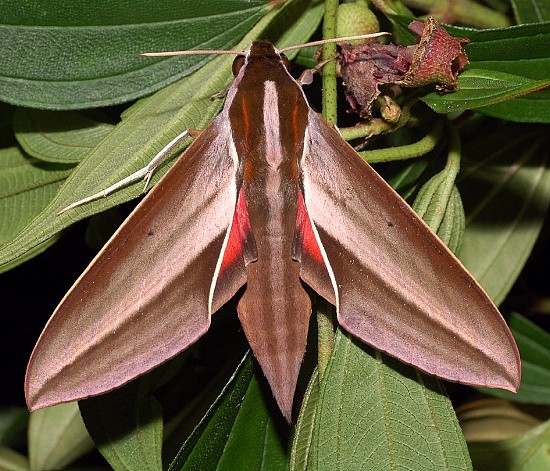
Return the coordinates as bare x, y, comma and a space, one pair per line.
148, 293
397, 286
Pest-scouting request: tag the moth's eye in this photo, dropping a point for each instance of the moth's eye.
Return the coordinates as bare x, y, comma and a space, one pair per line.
285, 61
237, 64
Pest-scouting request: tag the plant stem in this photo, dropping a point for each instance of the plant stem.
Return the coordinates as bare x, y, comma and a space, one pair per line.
409, 151
377, 126
329, 70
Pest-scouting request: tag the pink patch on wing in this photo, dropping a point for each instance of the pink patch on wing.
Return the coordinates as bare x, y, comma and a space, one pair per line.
310, 247
239, 235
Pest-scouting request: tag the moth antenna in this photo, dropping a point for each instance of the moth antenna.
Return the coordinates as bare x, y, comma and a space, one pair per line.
334, 40
190, 53
289, 48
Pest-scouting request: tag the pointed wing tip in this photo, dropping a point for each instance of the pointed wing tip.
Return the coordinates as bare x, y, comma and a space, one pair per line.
496, 375
35, 402
31, 404
510, 379
38, 395
506, 376
516, 378
512, 383
34, 406
507, 384
34, 389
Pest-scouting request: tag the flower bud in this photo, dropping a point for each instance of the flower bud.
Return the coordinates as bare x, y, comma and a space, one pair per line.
354, 19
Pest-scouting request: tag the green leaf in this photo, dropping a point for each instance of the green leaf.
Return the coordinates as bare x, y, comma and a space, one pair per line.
532, 108
438, 202
526, 452
133, 142
57, 437
76, 54
63, 137
405, 177
127, 423
13, 435
487, 419
127, 426
302, 439
295, 23
531, 11
144, 129
534, 347
377, 413
256, 426
504, 64
479, 88
13, 424
514, 43
205, 445
11, 460
26, 187
238, 418
505, 187
451, 230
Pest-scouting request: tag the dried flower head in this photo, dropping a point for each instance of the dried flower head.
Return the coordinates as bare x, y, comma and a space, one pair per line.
437, 58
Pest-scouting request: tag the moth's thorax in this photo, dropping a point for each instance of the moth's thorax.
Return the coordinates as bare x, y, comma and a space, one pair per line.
268, 114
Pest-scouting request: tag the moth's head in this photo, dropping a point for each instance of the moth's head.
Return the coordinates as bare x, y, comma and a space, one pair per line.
261, 50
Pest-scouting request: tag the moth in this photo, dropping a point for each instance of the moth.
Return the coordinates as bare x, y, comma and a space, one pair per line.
269, 197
